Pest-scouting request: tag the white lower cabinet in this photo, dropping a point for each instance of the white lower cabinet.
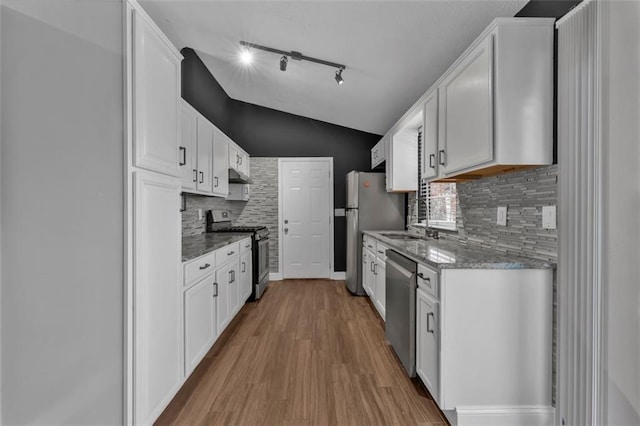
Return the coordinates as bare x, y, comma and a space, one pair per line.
380, 273
427, 343
157, 317
200, 329
215, 289
484, 344
246, 275
374, 273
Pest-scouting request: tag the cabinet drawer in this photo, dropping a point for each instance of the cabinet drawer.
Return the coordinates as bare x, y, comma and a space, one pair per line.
428, 280
227, 253
245, 245
381, 252
198, 268
369, 243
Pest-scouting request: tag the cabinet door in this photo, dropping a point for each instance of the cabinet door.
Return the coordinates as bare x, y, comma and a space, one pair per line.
234, 159
234, 286
157, 294
222, 299
220, 164
199, 322
365, 274
156, 95
427, 343
243, 158
246, 277
188, 158
466, 111
381, 290
430, 137
205, 154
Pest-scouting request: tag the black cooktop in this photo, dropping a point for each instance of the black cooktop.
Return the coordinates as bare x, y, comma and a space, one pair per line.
242, 229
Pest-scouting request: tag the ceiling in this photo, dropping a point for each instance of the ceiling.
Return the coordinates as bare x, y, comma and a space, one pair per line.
393, 50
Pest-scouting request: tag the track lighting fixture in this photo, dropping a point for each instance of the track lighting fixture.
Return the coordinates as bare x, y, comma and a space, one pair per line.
245, 57
339, 78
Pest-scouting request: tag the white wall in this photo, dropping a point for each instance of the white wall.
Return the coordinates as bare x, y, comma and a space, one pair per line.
62, 180
622, 221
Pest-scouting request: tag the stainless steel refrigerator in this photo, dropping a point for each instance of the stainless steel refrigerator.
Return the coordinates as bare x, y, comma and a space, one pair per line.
369, 208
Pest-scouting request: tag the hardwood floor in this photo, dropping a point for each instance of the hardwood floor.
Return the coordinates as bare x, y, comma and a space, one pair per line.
308, 353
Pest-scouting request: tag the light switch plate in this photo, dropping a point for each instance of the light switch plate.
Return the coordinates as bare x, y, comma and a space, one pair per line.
502, 216
549, 217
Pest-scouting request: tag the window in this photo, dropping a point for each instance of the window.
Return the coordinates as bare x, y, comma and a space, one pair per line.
437, 203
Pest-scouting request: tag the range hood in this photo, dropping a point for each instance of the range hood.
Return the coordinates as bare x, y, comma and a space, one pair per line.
237, 177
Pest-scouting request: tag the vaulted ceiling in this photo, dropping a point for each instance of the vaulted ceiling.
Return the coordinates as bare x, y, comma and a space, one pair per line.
393, 50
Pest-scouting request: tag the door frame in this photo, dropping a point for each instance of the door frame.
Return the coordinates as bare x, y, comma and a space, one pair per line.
328, 160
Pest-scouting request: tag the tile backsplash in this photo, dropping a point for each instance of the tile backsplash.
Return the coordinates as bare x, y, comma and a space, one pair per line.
524, 193
261, 209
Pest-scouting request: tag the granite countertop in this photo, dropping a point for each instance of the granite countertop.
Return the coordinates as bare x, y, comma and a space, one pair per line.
444, 254
197, 245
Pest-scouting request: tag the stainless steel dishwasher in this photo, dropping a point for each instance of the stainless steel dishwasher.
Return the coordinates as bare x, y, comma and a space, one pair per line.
400, 325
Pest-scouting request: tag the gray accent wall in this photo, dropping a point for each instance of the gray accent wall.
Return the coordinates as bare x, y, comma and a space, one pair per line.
261, 209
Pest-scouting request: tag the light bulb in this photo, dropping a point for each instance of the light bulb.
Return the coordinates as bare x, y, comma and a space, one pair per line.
246, 56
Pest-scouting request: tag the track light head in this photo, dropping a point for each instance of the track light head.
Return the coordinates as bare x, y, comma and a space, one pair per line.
339, 78
283, 63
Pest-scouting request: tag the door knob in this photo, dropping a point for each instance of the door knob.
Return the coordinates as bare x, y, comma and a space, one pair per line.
286, 230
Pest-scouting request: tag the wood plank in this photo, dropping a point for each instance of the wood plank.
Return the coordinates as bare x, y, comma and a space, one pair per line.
307, 353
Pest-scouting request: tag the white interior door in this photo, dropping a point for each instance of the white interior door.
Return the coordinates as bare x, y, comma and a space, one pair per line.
306, 194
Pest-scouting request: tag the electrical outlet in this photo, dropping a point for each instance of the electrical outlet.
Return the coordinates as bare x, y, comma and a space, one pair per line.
502, 216
549, 217
199, 214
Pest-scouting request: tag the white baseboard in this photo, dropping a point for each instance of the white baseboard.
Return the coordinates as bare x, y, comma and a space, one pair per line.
505, 416
275, 276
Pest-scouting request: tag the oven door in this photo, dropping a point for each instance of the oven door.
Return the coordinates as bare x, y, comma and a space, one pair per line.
263, 259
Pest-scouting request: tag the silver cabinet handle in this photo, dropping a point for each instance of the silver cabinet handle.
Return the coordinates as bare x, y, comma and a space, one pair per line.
195, 175
239, 159
205, 266
184, 155
216, 293
244, 267
381, 251
432, 159
371, 267
230, 253
201, 177
441, 158
216, 181
429, 329
427, 279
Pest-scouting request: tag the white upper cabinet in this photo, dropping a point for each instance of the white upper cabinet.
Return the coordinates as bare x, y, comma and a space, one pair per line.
402, 160
466, 105
379, 153
205, 155
496, 101
156, 93
220, 164
188, 146
491, 112
430, 136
